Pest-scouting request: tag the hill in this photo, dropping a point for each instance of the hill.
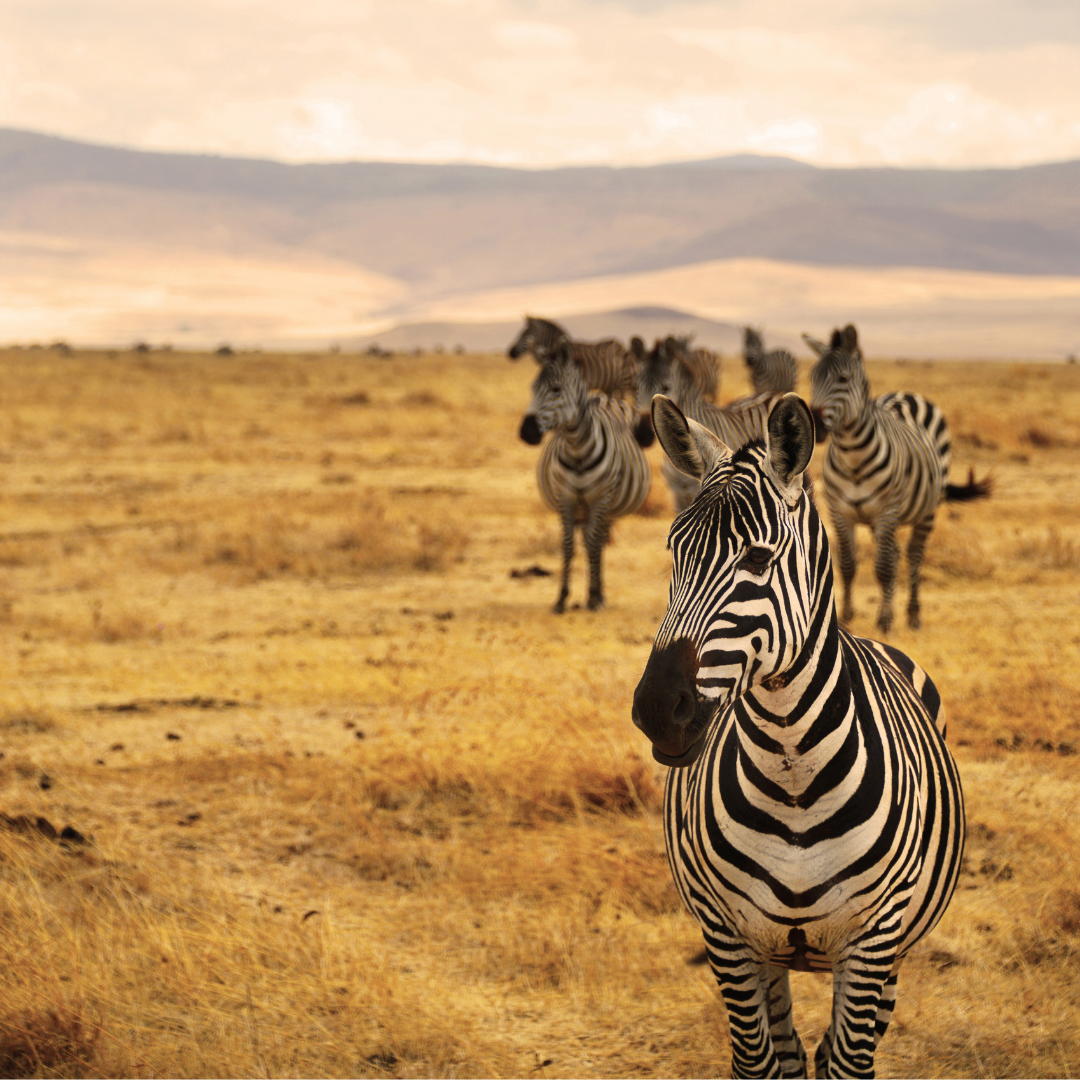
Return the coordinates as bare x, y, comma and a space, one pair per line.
197, 247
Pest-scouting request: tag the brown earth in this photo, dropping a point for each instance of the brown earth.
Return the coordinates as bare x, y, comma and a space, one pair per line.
345, 798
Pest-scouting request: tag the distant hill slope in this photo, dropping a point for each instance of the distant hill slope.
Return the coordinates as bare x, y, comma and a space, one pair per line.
445, 229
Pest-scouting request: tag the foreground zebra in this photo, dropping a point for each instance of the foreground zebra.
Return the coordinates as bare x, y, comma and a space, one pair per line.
671, 375
591, 471
813, 815
887, 466
775, 372
606, 365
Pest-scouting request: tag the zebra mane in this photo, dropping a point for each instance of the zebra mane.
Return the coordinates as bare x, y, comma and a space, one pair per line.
554, 327
715, 487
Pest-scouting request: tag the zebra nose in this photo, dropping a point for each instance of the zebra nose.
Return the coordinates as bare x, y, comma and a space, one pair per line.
665, 701
530, 430
643, 431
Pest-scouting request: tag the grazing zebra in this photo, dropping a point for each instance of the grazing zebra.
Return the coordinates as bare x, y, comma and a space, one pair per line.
607, 366
773, 373
592, 471
813, 815
887, 466
668, 373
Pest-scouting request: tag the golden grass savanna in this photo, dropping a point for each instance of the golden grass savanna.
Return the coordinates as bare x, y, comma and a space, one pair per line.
346, 799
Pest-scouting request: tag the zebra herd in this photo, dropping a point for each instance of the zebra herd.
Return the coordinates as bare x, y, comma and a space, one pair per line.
813, 815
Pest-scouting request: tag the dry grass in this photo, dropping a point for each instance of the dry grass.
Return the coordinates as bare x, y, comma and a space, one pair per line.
344, 798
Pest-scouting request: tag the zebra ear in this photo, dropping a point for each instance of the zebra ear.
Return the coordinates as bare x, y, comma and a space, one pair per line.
789, 442
693, 449
851, 338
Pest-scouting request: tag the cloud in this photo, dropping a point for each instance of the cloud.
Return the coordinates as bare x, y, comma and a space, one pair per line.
547, 81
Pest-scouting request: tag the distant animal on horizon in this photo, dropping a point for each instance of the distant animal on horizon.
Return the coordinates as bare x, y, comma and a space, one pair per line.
887, 466
592, 470
607, 366
773, 372
813, 815
670, 372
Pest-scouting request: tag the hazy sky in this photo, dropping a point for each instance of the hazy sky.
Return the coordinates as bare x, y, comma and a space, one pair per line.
543, 82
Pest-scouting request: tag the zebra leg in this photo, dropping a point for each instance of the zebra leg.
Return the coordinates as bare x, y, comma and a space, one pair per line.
845, 549
864, 992
596, 532
789, 1047
568, 514
920, 533
746, 990
886, 557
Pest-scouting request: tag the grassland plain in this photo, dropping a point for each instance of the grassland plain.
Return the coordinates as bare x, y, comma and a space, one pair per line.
352, 800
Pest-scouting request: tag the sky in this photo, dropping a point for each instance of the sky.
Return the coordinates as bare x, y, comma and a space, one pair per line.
538, 83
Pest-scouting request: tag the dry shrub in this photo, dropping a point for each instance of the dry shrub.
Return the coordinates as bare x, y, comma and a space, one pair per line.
1050, 552
28, 721
56, 1041
313, 538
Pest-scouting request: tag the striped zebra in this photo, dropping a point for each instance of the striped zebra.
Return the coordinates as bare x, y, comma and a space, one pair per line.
887, 466
813, 815
592, 471
775, 372
669, 374
606, 364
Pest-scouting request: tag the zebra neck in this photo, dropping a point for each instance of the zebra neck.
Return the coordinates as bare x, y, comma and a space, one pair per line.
578, 433
794, 711
859, 440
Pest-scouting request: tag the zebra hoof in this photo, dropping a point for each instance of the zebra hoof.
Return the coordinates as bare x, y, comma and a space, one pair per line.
596, 603
913, 620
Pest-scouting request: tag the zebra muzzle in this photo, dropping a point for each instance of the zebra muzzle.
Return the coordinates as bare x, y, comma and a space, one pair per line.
530, 430
665, 703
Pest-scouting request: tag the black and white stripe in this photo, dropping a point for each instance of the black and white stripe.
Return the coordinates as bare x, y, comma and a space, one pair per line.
813, 814
606, 364
887, 466
773, 372
592, 470
672, 376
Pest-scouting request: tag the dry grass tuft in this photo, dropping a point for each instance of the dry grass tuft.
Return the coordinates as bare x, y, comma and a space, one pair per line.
50, 1042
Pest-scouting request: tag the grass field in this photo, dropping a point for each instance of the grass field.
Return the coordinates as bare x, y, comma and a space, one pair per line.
346, 799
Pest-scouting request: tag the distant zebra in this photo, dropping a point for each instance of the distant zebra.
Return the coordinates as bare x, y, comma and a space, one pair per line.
591, 471
607, 366
813, 815
775, 372
669, 373
887, 466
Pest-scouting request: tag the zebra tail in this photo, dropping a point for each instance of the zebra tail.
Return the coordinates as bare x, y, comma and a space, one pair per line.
973, 489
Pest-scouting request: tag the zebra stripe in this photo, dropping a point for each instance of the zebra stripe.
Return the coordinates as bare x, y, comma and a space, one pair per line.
887, 466
606, 364
775, 372
592, 470
813, 815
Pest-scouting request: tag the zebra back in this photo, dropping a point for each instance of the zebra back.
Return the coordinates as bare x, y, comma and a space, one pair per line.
606, 364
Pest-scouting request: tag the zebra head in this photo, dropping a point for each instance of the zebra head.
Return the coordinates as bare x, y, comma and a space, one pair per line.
660, 372
841, 392
559, 395
540, 337
750, 570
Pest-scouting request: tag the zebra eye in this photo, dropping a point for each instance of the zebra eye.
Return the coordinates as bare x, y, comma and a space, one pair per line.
756, 560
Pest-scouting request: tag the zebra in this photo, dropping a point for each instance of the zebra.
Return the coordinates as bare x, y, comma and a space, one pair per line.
592, 471
670, 374
775, 372
606, 364
813, 815
887, 465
